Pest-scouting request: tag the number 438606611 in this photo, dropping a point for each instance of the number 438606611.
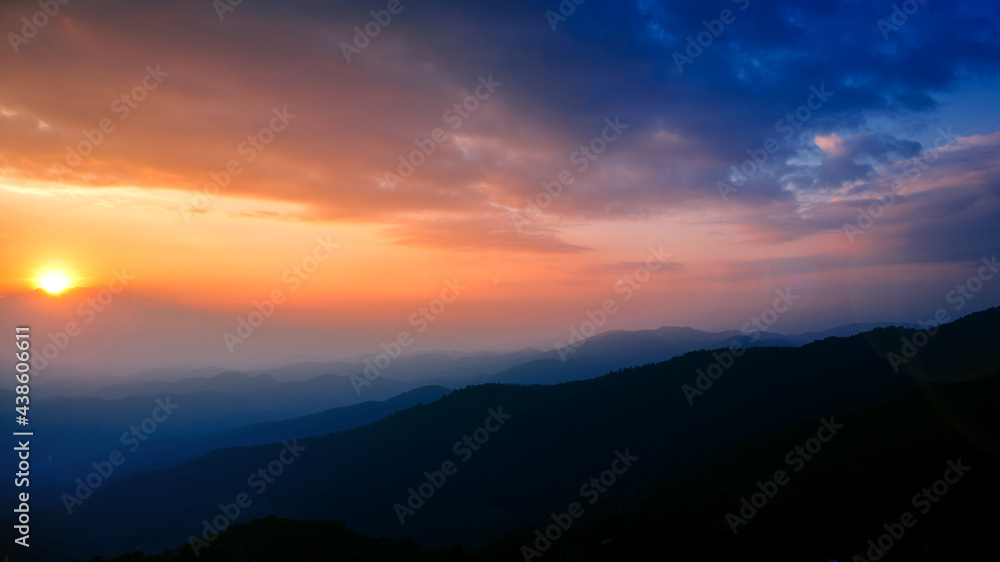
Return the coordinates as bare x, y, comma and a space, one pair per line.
21, 399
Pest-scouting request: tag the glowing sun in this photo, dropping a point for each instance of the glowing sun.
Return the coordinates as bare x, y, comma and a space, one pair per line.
54, 282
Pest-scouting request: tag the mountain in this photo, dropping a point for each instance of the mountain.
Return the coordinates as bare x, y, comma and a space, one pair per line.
845, 330
827, 508
417, 367
109, 344
79, 431
164, 451
276, 539
224, 382
618, 349
606, 351
553, 438
830, 503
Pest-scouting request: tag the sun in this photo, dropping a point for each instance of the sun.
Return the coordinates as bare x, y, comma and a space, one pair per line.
54, 282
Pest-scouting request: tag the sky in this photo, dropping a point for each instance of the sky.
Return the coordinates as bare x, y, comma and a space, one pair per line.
540, 158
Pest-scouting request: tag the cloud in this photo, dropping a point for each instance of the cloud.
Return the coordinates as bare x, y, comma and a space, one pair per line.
495, 233
855, 158
355, 121
942, 211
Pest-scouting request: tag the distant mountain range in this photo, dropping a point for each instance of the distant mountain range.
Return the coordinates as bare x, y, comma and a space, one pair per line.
229, 409
124, 345
597, 355
615, 349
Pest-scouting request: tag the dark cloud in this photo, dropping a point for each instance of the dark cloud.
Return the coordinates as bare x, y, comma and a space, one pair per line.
855, 158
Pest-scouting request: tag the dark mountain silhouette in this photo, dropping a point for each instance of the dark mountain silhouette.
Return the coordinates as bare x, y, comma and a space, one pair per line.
860, 480
617, 349
556, 438
864, 478
276, 539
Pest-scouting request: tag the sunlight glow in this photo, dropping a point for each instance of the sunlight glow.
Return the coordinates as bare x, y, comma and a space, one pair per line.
53, 282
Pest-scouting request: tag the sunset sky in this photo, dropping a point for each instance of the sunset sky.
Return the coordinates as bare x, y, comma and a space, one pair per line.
837, 103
